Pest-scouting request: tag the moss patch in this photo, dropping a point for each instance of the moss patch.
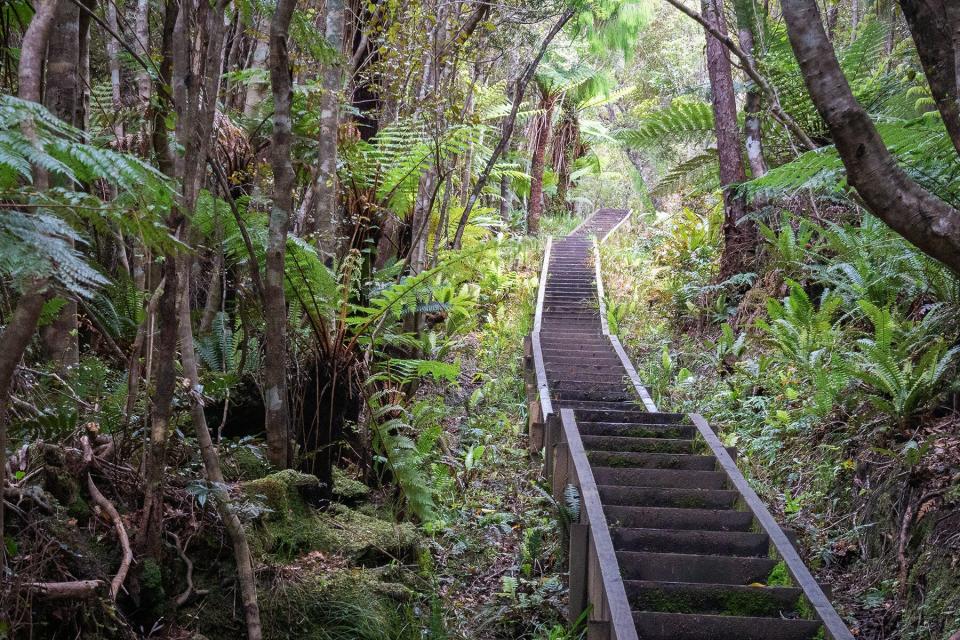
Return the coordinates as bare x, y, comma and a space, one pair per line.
291, 527
243, 463
357, 603
346, 489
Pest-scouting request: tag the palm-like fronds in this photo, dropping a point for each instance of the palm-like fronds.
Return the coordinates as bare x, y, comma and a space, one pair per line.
683, 121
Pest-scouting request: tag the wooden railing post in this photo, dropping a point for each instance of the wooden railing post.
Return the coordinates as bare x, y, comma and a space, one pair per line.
579, 548
551, 435
560, 477
535, 425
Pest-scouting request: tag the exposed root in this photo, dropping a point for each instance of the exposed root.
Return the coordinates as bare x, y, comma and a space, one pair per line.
107, 506
190, 591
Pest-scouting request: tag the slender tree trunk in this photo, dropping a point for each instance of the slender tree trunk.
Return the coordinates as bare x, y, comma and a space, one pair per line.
211, 459
887, 191
739, 235
162, 354
519, 90
256, 91
113, 62
327, 217
13, 343
751, 125
26, 315
63, 99
142, 35
275, 307
935, 27
541, 140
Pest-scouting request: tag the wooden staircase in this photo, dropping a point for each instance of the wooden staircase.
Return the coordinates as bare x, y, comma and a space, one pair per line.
671, 542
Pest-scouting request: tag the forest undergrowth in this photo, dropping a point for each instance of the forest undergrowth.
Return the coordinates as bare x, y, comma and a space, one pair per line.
830, 370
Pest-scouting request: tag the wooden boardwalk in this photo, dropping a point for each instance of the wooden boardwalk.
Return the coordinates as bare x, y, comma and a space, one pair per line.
669, 542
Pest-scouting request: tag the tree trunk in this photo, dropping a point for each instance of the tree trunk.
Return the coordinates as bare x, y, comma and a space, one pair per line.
935, 27
62, 98
164, 347
888, 192
274, 304
211, 459
518, 92
543, 127
23, 323
739, 235
142, 35
751, 125
327, 215
13, 343
256, 91
151, 526
113, 62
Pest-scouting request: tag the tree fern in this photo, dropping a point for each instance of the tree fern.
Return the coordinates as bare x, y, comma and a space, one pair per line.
699, 174
683, 121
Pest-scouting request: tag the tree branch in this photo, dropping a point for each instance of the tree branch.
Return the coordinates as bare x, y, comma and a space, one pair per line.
748, 67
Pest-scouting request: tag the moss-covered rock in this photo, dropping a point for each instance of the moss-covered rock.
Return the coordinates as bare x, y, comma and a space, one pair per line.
289, 526
244, 463
346, 489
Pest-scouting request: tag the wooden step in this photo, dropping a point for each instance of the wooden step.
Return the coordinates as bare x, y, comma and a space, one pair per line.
659, 478
714, 599
630, 459
736, 543
683, 567
678, 518
681, 626
668, 497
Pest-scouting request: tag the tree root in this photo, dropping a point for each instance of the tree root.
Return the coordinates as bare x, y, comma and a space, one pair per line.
909, 517
190, 591
105, 505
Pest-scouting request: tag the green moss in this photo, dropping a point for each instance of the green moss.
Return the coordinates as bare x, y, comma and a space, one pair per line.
283, 493
360, 604
691, 502
346, 489
291, 527
779, 576
152, 594
742, 602
244, 463
932, 611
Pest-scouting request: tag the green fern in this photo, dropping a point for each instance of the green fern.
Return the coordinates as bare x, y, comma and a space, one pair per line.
800, 331
700, 174
683, 121
899, 383
390, 425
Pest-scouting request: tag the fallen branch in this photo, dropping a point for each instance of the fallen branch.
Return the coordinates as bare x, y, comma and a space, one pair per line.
74, 590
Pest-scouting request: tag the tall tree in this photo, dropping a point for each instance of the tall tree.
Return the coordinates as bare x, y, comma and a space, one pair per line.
542, 129
326, 216
746, 23
19, 331
887, 191
517, 94
62, 97
935, 27
275, 306
739, 234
